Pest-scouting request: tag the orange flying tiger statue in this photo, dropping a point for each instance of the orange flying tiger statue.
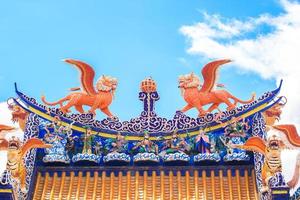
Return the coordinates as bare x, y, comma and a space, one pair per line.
16, 153
195, 98
99, 97
283, 137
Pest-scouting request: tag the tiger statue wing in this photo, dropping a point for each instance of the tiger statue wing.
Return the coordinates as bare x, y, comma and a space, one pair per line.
210, 74
33, 143
6, 128
87, 75
3, 144
255, 144
288, 134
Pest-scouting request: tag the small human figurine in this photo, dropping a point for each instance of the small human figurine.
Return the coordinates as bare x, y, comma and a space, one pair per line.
235, 134
146, 145
237, 128
70, 144
56, 125
57, 151
87, 141
118, 144
228, 144
97, 148
176, 144
52, 137
213, 148
202, 142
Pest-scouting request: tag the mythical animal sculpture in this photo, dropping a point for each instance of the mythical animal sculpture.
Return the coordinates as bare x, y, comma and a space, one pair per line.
273, 114
19, 115
99, 97
15, 156
4, 129
283, 136
195, 98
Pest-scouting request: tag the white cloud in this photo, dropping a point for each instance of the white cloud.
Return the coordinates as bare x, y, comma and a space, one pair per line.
5, 118
272, 55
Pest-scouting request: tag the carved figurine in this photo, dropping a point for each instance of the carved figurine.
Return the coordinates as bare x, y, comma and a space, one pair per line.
205, 146
117, 145
56, 125
87, 141
176, 144
195, 98
146, 145
15, 157
70, 143
237, 128
202, 142
228, 144
235, 133
99, 98
98, 148
56, 135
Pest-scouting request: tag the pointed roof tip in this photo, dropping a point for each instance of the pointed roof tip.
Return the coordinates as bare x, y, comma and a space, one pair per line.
16, 87
280, 84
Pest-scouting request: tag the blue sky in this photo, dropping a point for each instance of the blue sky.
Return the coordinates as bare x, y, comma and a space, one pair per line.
129, 40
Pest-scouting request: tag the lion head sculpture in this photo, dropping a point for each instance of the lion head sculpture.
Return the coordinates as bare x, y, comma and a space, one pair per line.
106, 83
188, 81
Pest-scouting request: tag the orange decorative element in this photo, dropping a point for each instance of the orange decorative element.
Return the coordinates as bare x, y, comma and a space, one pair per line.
273, 114
285, 137
19, 115
15, 157
195, 98
255, 144
271, 149
4, 129
291, 139
148, 85
288, 133
100, 99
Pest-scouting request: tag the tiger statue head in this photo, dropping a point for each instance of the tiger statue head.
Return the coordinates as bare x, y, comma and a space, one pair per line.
274, 146
107, 84
188, 81
13, 154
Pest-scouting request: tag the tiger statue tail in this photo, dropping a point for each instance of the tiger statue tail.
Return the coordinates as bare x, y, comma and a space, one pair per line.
60, 102
237, 100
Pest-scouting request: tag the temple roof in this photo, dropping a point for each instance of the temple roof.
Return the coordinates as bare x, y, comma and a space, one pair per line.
235, 182
155, 125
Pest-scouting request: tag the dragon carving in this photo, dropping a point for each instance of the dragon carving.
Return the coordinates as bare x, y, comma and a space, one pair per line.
99, 97
197, 98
